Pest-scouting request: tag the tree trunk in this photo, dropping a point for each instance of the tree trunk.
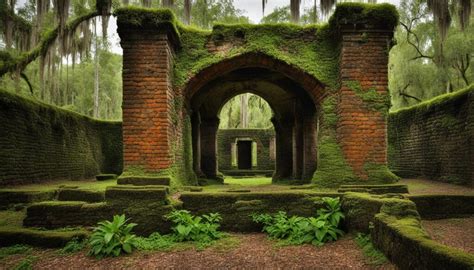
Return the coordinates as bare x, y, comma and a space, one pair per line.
96, 73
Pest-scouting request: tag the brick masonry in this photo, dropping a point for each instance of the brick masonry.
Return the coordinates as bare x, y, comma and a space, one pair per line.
150, 109
40, 142
361, 131
436, 142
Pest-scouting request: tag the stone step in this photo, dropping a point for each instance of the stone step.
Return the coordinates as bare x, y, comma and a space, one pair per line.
58, 214
103, 177
374, 189
12, 197
73, 194
40, 238
143, 180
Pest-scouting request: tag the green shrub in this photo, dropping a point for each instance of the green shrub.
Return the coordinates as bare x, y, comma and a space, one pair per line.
373, 255
301, 230
112, 238
202, 229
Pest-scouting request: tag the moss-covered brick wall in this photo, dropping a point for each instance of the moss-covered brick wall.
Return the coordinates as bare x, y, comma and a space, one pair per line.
262, 138
435, 139
340, 66
39, 142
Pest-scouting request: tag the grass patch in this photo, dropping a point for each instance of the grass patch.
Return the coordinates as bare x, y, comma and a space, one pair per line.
14, 250
373, 255
12, 218
26, 263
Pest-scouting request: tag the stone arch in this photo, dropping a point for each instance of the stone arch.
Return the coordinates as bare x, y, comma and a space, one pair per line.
254, 59
293, 95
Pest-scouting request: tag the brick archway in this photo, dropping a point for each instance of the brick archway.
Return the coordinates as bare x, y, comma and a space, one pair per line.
293, 95
167, 79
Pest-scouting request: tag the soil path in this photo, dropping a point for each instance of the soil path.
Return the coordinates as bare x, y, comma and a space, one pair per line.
254, 251
454, 232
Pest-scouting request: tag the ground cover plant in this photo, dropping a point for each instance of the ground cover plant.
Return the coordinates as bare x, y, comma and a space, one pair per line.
303, 230
111, 238
373, 255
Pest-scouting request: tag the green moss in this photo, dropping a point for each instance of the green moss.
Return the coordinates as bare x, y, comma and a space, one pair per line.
384, 16
84, 145
379, 174
372, 99
34, 237
431, 104
332, 170
317, 56
416, 249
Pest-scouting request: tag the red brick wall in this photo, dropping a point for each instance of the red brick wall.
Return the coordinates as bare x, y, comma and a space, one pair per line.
147, 99
361, 130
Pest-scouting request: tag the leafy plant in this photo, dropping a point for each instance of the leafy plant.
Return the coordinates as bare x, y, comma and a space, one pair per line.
300, 230
73, 246
112, 238
187, 227
373, 255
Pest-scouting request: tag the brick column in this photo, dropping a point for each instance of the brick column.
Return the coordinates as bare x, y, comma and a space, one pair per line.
147, 97
361, 128
298, 146
196, 138
310, 154
209, 129
284, 149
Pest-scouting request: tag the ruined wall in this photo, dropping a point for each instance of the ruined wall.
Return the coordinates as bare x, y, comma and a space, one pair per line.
225, 137
39, 142
435, 139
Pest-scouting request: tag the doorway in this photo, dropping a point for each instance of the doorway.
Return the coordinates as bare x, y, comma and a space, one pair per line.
244, 155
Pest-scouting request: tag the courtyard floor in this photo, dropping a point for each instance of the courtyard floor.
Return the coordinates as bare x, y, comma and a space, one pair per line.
247, 251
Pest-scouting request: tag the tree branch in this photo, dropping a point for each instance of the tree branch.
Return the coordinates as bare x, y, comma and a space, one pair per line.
19, 64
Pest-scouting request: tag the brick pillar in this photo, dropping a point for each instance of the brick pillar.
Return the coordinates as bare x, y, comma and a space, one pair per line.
209, 129
284, 149
362, 129
310, 155
298, 147
196, 138
147, 94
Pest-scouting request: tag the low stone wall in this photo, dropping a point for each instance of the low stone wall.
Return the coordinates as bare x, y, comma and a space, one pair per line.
236, 208
435, 139
39, 142
263, 137
444, 206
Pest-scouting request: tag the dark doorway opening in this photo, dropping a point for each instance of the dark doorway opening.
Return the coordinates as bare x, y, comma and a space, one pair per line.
244, 155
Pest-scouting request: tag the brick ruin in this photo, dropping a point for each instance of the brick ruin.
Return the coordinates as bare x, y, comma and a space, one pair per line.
326, 84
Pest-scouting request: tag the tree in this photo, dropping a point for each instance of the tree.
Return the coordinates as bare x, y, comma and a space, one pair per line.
421, 65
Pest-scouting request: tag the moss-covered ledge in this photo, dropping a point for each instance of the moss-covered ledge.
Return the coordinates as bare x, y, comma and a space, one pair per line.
137, 18
366, 16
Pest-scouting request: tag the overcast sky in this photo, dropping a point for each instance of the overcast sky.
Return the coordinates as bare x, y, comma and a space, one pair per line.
253, 8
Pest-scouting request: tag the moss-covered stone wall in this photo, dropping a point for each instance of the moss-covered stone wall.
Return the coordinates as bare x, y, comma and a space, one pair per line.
39, 142
262, 138
435, 139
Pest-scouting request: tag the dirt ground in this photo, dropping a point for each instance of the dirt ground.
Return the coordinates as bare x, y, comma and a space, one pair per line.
422, 186
454, 232
252, 251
